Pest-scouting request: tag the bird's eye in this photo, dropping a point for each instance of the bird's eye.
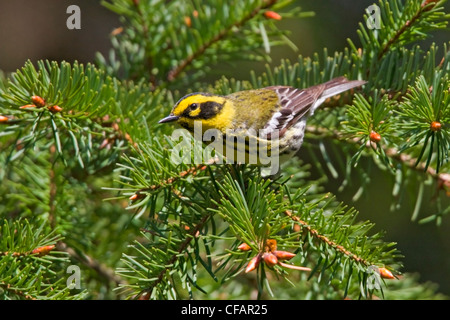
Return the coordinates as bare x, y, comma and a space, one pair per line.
194, 106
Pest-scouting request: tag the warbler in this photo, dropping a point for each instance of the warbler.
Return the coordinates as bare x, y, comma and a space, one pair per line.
274, 116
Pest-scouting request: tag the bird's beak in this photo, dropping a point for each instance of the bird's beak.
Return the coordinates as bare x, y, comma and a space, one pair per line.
169, 118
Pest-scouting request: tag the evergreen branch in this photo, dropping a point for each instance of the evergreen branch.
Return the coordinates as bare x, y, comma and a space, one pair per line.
28, 263
193, 233
40, 251
409, 24
16, 292
325, 239
176, 71
442, 178
169, 181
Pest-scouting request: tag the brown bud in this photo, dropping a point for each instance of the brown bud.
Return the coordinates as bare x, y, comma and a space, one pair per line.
272, 15
284, 255
117, 31
4, 119
435, 126
271, 245
38, 101
270, 259
187, 21
385, 273
375, 136
55, 109
42, 251
136, 196
144, 296
244, 247
105, 143
253, 264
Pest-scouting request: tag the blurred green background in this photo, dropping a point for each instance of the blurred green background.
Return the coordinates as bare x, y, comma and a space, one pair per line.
37, 30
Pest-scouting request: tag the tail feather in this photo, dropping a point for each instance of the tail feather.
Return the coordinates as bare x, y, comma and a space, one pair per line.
335, 87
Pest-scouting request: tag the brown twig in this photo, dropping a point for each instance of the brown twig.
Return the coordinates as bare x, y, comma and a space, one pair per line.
400, 31
91, 263
325, 239
171, 180
7, 287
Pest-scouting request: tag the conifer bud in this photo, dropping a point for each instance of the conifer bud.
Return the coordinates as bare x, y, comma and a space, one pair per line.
270, 259
117, 31
187, 21
272, 15
136, 196
55, 109
42, 251
375, 136
271, 245
144, 296
435, 126
253, 264
284, 255
385, 273
244, 247
4, 119
38, 101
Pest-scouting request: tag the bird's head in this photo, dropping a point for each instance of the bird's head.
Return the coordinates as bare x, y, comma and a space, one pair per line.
213, 111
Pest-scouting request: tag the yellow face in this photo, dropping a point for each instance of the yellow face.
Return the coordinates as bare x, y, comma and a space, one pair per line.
214, 112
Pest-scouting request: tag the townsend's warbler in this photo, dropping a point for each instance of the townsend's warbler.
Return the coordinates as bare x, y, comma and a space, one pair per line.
271, 118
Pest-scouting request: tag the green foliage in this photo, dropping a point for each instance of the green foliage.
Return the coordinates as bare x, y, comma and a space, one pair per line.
427, 107
29, 275
172, 226
164, 42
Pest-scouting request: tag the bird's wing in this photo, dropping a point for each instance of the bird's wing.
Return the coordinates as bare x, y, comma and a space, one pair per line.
296, 103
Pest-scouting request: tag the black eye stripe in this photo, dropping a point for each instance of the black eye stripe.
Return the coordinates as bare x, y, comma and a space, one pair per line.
208, 110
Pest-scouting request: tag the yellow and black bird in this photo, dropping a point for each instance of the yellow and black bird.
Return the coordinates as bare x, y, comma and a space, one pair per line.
272, 113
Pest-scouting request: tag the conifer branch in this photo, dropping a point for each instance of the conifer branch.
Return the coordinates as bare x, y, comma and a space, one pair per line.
325, 239
442, 178
176, 71
169, 181
182, 247
7, 287
40, 251
408, 24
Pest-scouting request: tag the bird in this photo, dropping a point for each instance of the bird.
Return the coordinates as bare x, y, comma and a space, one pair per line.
273, 117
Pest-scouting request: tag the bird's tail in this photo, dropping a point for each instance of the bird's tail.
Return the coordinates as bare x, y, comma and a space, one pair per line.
334, 87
